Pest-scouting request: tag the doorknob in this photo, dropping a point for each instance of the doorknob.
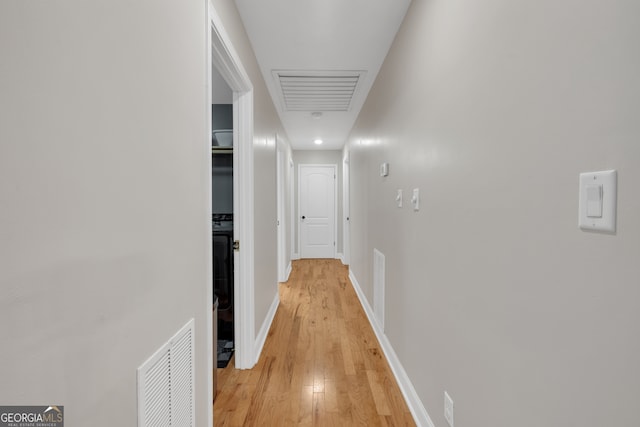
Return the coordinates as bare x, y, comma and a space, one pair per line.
303, 217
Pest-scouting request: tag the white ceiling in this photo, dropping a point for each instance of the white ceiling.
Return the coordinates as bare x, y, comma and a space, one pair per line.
317, 47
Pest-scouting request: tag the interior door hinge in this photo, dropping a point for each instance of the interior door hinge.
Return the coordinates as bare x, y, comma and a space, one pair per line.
236, 245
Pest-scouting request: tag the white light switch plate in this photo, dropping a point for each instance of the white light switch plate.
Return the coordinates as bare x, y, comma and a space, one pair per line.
595, 213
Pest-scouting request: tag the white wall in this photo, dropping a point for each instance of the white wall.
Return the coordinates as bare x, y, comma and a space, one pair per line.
318, 157
104, 188
266, 126
494, 294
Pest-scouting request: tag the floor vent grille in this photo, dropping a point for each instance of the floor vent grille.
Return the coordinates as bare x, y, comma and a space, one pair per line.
166, 383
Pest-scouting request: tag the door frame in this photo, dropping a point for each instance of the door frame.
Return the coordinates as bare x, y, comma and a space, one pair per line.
335, 204
346, 211
293, 253
220, 51
281, 209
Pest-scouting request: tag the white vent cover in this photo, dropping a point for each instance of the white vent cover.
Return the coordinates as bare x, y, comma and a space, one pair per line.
378, 287
166, 383
317, 90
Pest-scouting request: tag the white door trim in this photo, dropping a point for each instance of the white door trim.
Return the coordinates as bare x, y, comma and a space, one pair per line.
209, 226
292, 207
335, 204
228, 63
281, 212
346, 211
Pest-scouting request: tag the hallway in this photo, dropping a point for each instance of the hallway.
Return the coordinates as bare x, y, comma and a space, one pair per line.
321, 364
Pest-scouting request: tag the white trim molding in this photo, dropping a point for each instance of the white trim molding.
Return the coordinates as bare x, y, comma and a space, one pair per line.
207, 148
264, 329
346, 207
227, 62
288, 272
243, 224
418, 411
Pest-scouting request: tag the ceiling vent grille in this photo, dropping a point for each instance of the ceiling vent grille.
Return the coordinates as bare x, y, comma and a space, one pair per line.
317, 90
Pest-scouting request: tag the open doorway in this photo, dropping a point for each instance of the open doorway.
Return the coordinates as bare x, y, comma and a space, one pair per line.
222, 217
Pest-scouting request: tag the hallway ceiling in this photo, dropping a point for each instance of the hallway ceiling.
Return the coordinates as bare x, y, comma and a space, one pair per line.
319, 59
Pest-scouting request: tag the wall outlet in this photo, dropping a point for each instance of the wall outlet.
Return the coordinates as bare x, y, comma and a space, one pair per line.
448, 408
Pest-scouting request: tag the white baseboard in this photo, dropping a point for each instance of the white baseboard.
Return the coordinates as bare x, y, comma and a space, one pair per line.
295, 256
288, 272
419, 412
340, 256
264, 329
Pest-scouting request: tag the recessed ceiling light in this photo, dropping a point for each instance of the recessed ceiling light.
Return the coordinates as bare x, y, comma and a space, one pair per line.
317, 141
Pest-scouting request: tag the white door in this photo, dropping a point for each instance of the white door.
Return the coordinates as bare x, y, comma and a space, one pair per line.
317, 210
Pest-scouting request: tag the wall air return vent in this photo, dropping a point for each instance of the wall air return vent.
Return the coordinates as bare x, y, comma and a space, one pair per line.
317, 90
378, 286
166, 383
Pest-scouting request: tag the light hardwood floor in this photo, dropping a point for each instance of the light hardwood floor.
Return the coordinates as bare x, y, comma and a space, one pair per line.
321, 365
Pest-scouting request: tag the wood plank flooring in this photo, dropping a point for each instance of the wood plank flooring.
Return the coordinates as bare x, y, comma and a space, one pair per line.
321, 365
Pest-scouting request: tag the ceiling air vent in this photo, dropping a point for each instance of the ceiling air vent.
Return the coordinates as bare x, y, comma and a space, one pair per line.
317, 90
